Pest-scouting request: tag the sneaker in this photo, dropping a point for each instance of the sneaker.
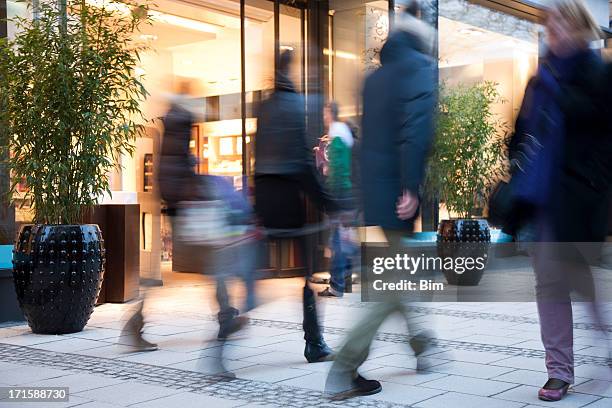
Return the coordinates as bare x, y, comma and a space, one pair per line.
553, 390
329, 292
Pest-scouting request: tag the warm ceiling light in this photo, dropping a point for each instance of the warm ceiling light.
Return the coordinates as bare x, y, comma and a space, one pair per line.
157, 16
182, 22
286, 48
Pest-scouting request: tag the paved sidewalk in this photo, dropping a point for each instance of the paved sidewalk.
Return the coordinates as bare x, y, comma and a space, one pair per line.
486, 355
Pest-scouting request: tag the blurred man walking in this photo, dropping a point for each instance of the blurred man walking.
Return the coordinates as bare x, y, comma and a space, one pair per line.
398, 126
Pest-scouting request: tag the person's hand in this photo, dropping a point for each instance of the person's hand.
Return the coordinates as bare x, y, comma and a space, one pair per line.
407, 205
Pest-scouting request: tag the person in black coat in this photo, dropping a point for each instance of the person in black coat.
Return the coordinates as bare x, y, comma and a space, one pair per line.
399, 102
284, 174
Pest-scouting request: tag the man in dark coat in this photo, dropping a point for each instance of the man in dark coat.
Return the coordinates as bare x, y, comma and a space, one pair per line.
284, 174
398, 127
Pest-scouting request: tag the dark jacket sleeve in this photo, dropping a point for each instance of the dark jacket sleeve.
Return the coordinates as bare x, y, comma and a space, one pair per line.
415, 111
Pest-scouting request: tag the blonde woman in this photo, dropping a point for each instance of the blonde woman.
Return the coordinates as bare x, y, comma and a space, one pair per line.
564, 185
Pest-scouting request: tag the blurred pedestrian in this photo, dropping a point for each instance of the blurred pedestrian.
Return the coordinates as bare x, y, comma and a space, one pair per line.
284, 173
339, 155
206, 213
398, 127
562, 146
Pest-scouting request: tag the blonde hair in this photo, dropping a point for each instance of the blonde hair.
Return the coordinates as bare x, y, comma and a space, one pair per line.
577, 14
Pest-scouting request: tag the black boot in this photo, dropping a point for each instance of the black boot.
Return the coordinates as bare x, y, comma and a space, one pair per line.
316, 350
230, 322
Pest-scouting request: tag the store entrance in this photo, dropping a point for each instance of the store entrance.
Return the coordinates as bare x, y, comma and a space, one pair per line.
227, 51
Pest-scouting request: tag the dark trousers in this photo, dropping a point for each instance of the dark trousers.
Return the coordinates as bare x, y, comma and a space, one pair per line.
280, 206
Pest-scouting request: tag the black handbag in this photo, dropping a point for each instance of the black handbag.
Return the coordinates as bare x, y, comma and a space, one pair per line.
505, 209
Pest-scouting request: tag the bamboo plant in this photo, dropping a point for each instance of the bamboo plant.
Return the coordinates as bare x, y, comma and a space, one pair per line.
468, 154
70, 103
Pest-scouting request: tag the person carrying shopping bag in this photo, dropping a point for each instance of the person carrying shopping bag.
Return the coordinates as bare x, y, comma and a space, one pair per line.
339, 181
285, 174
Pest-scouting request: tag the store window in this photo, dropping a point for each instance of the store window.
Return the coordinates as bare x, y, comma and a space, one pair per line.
479, 44
359, 29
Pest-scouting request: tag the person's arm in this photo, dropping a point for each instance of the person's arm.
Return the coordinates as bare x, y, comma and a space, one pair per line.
586, 100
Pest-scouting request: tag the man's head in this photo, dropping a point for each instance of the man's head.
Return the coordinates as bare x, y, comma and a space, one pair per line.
414, 8
410, 20
331, 113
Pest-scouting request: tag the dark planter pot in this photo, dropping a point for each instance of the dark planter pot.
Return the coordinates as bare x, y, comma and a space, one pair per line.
58, 272
464, 238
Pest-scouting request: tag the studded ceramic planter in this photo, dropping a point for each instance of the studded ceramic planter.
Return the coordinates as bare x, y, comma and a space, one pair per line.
58, 272
464, 238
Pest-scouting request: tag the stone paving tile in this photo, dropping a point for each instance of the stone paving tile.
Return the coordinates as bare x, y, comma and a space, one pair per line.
70, 345
602, 403
127, 393
189, 400
314, 381
468, 385
73, 402
185, 343
595, 372
211, 365
404, 394
456, 400
30, 339
470, 369
13, 331
25, 374
401, 375
528, 363
532, 378
595, 351
8, 366
96, 333
158, 358
405, 361
492, 340
278, 358
271, 374
595, 387
75, 382
481, 357
108, 350
233, 352
529, 395
168, 330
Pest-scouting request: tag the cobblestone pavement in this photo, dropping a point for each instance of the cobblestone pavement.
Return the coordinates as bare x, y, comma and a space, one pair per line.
484, 355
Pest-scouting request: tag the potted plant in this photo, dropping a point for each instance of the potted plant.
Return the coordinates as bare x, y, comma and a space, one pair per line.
71, 106
466, 161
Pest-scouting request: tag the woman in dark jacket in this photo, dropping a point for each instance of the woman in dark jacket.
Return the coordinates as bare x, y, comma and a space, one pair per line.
565, 180
284, 174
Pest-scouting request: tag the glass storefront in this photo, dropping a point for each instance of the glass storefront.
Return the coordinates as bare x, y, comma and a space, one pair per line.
227, 50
